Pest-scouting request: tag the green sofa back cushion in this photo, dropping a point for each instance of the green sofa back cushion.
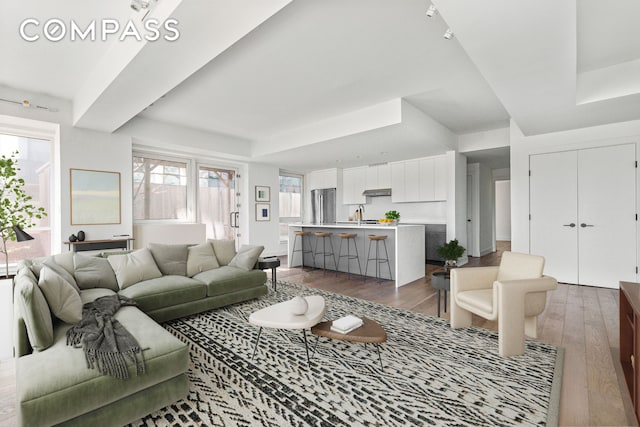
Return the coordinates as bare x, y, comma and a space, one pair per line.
134, 267
33, 308
94, 272
225, 250
201, 258
171, 259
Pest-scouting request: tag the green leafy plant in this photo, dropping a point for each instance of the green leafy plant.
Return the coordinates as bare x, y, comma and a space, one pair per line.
394, 215
17, 210
451, 251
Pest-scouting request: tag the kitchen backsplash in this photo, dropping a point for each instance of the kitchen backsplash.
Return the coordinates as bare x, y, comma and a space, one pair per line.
425, 212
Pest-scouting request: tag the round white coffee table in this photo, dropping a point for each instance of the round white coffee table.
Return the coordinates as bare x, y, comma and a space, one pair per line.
280, 316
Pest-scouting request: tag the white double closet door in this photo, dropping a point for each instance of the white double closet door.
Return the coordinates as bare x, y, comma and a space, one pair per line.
583, 214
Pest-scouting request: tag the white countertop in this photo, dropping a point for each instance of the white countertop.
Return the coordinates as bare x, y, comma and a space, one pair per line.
361, 226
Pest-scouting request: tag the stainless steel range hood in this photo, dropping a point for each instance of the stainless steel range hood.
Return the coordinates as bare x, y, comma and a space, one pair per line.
377, 193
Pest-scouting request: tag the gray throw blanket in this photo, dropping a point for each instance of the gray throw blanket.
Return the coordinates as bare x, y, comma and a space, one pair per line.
106, 343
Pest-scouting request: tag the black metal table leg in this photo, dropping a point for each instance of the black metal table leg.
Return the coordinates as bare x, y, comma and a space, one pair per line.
438, 302
273, 278
379, 357
257, 341
445, 301
315, 346
306, 347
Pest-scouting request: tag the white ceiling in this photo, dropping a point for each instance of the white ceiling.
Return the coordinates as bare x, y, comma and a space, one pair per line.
281, 73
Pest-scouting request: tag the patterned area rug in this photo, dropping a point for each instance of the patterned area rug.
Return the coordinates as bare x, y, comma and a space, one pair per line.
432, 375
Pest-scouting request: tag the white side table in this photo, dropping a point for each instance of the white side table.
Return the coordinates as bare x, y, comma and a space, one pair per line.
280, 316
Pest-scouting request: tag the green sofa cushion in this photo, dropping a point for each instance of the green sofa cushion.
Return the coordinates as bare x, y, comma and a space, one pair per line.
55, 385
134, 267
34, 310
165, 291
63, 299
201, 258
171, 259
247, 257
94, 272
230, 279
90, 295
225, 250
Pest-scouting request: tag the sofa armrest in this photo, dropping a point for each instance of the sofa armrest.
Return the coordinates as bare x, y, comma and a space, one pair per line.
472, 278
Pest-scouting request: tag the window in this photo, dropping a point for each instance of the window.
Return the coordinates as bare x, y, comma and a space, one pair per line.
159, 189
34, 161
290, 202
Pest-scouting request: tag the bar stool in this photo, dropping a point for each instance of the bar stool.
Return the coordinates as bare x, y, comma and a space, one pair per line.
301, 235
349, 237
377, 259
324, 236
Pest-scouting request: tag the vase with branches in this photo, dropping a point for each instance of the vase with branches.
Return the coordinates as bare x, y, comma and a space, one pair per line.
17, 210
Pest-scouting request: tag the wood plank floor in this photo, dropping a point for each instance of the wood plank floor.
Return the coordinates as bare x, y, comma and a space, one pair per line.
583, 320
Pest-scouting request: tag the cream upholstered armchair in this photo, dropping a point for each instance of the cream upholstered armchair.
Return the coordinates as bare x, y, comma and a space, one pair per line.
513, 293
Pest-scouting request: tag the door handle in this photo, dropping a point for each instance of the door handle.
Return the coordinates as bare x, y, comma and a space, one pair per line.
583, 225
573, 224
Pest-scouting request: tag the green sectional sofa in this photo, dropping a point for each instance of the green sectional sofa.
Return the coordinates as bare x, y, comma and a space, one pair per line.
55, 385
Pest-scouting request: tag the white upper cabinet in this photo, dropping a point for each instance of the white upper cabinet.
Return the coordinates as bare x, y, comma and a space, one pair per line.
440, 178
421, 180
353, 184
326, 178
378, 176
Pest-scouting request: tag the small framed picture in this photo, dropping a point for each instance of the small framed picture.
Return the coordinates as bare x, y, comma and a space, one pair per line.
263, 194
263, 212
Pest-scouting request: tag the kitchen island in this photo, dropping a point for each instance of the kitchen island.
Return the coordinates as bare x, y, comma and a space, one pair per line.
405, 244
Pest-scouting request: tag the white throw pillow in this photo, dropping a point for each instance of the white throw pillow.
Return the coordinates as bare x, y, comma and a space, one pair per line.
63, 299
134, 267
246, 257
201, 258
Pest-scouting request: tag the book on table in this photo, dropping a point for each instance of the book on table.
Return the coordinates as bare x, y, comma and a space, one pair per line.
346, 324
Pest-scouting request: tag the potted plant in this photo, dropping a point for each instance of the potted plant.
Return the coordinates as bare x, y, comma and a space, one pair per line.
392, 216
451, 252
17, 210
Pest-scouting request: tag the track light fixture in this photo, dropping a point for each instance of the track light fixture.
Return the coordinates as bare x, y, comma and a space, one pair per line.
448, 34
137, 5
431, 11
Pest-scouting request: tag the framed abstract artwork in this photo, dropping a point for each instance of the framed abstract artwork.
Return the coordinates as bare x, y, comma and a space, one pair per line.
95, 197
263, 212
263, 194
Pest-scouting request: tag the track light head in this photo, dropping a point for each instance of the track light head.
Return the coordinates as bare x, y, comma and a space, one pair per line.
448, 34
431, 11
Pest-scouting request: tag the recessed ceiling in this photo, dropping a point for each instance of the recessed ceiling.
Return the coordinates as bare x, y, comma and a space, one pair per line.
297, 64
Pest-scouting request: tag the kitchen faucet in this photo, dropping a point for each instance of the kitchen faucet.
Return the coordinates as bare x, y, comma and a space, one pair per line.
360, 212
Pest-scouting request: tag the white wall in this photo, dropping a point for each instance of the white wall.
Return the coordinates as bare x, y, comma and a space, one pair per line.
503, 210
523, 146
457, 200
264, 233
76, 148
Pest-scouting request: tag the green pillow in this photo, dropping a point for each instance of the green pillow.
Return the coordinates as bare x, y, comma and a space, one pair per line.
201, 258
225, 250
94, 272
63, 299
33, 308
61, 271
247, 257
134, 267
171, 259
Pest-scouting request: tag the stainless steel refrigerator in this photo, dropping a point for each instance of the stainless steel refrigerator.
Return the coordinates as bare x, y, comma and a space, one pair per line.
323, 206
